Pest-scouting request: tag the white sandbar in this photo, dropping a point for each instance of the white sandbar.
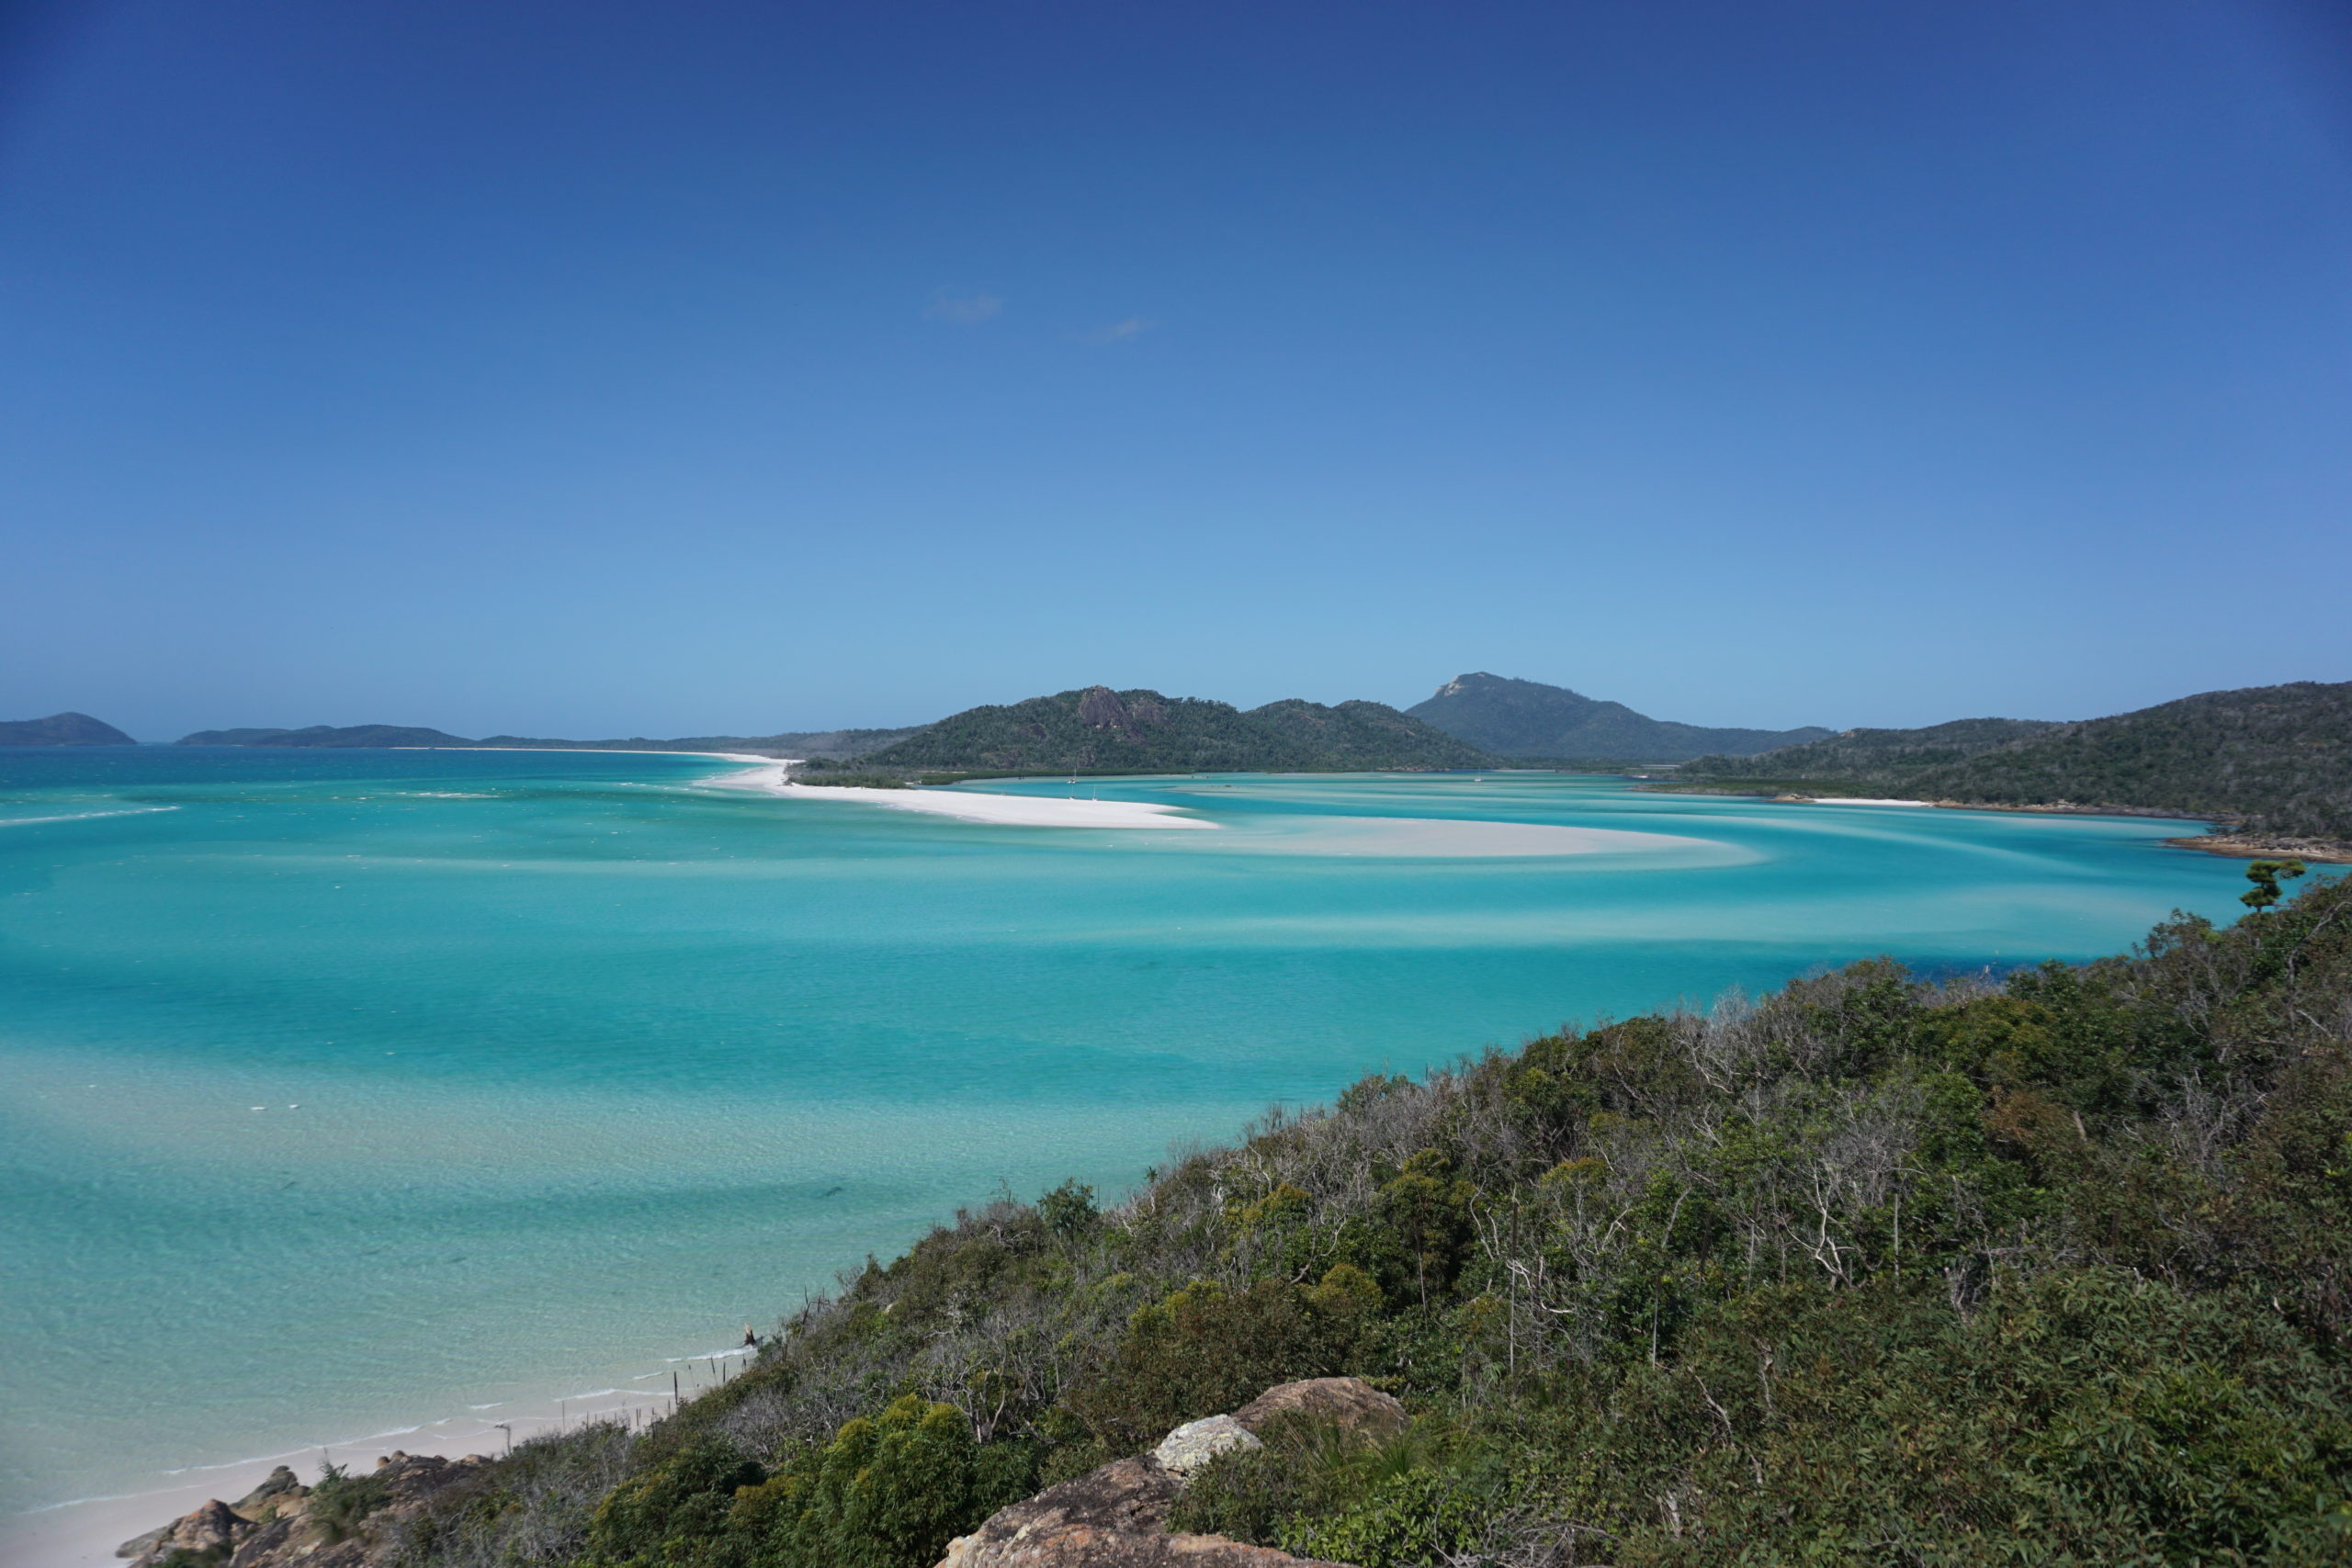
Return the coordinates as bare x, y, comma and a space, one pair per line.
970, 805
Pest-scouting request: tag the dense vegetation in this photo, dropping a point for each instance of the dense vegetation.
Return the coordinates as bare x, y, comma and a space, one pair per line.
2055, 1268
1877, 756
1527, 718
1100, 730
62, 729
2270, 760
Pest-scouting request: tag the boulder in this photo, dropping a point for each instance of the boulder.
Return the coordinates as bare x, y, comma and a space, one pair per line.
1195, 1443
279, 1495
211, 1528
1351, 1403
1113, 1517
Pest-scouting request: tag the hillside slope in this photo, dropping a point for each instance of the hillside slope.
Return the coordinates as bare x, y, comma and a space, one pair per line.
1099, 730
2270, 760
2056, 1269
1527, 718
62, 730
1876, 756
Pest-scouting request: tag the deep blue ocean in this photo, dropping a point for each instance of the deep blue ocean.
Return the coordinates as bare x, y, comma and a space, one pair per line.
343, 1093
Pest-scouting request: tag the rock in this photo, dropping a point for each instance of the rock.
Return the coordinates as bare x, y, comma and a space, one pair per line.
211, 1528
1113, 1517
1349, 1403
279, 1495
1195, 1443
138, 1544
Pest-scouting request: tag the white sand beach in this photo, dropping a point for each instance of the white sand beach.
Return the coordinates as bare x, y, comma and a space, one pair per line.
1018, 810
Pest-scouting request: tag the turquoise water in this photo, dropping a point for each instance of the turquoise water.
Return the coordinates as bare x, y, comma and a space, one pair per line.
342, 1092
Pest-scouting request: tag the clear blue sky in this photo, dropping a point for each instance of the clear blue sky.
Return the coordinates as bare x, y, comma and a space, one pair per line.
589, 368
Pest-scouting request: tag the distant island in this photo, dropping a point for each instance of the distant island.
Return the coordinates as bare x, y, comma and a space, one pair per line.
834, 743
2274, 764
1526, 718
1096, 729
62, 729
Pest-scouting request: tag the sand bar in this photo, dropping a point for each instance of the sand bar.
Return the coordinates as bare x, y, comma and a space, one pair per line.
969, 806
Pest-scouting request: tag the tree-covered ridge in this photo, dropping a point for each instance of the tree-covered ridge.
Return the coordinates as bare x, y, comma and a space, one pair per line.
2050, 1269
1877, 756
1098, 730
1527, 718
2272, 759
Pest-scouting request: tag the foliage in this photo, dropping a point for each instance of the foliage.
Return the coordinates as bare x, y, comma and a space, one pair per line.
341, 1501
1100, 730
2271, 760
2052, 1270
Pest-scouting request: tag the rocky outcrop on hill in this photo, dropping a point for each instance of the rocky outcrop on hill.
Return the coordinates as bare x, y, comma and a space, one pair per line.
339, 1524
1116, 1517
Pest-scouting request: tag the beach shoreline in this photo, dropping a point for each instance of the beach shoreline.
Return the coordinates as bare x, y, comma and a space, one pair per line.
84, 1532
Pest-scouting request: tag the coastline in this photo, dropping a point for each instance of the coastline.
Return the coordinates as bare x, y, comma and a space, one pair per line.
84, 1532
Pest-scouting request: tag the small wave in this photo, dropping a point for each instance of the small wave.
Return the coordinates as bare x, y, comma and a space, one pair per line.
83, 816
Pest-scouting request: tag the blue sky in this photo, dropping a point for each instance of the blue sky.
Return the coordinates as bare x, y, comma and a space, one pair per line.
601, 368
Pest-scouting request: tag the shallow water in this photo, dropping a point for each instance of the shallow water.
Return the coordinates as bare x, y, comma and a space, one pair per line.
343, 1091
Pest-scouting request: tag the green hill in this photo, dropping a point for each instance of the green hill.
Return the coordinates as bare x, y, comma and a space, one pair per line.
1877, 756
1099, 730
2270, 760
62, 729
2054, 1269
1527, 718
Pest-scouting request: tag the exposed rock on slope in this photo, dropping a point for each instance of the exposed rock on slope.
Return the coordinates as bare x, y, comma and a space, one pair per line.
1116, 1517
281, 1522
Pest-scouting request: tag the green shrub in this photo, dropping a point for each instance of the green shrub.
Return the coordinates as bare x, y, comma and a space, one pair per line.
886, 1493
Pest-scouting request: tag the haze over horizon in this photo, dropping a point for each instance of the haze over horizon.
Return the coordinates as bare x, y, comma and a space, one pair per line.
601, 369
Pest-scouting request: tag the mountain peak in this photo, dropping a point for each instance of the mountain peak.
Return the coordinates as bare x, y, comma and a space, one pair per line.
1527, 718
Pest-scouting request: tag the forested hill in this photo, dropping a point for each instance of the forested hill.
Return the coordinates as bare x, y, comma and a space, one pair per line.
1877, 756
2055, 1269
1527, 718
62, 730
1099, 730
2272, 759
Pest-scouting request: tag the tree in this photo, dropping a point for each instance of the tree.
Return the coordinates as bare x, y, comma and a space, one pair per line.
2265, 875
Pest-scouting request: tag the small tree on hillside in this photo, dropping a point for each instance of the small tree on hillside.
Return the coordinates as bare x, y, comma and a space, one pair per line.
2265, 875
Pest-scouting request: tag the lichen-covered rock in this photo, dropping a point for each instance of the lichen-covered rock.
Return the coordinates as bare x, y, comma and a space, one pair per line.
1195, 1443
280, 1493
210, 1529
1113, 1517
1350, 1403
